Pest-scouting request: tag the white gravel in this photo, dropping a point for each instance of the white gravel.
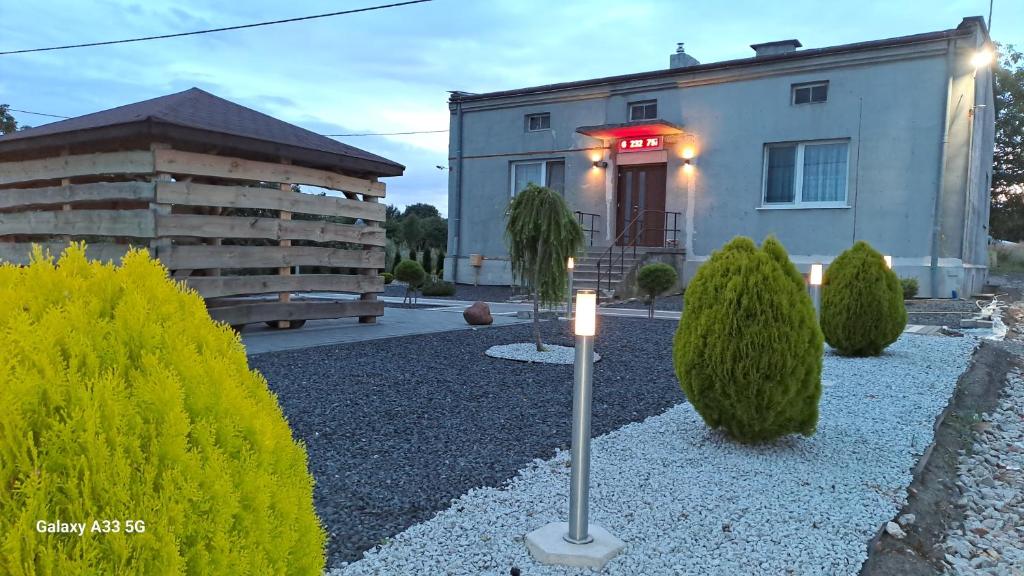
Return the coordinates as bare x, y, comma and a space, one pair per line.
688, 501
991, 480
527, 352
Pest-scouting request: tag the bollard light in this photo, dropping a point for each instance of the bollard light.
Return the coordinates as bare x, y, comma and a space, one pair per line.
816, 274
888, 261
586, 312
577, 543
571, 263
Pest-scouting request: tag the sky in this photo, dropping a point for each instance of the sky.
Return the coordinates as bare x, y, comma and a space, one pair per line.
391, 70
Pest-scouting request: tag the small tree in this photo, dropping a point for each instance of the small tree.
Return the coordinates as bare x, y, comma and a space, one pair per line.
542, 234
862, 309
655, 279
748, 350
410, 272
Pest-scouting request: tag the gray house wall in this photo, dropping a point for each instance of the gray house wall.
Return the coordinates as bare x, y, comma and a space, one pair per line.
889, 103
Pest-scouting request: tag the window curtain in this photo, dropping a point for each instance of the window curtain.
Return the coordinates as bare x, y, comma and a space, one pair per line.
556, 177
781, 172
825, 173
526, 173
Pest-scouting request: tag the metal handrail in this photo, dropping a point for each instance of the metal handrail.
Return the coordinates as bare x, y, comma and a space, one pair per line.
633, 242
589, 231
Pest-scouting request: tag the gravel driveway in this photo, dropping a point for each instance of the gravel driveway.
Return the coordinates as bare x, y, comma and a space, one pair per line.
686, 501
397, 428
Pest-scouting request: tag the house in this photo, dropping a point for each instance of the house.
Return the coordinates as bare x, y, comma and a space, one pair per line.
888, 141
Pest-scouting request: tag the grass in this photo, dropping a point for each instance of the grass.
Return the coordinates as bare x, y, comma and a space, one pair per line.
1004, 258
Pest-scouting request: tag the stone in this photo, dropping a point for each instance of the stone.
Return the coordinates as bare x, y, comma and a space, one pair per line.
479, 314
893, 529
906, 519
548, 546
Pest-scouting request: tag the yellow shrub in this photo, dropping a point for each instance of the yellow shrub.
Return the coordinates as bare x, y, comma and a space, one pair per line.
120, 400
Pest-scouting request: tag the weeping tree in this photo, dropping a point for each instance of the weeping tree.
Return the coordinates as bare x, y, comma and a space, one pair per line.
542, 234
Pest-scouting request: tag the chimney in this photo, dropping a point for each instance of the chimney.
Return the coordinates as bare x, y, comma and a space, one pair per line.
681, 59
777, 47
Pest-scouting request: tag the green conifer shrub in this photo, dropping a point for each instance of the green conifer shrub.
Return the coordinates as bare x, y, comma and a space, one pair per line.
748, 350
388, 277
412, 254
438, 288
398, 258
410, 272
440, 263
121, 400
654, 279
428, 265
909, 286
862, 309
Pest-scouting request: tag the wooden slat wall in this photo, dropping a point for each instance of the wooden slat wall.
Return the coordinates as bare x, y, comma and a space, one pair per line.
151, 201
21, 252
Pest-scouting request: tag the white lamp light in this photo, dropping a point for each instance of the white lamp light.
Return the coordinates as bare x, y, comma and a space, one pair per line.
571, 263
982, 58
888, 261
586, 312
816, 274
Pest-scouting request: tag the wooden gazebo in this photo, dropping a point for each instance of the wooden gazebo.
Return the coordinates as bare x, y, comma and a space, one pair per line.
211, 188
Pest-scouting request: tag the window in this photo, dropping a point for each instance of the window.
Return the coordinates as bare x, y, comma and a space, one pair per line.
550, 173
810, 174
647, 110
810, 93
536, 122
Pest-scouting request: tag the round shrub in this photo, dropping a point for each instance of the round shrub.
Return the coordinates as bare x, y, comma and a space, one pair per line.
909, 286
862, 308
122, 401
410, 272
388, 277
655, 279
438, 289
748, 350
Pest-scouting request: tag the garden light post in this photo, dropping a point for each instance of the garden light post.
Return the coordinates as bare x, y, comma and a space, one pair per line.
814, 283
888, 261
570, 265
577, 542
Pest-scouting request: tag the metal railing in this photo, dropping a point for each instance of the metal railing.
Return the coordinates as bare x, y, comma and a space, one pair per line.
588, 227
636, 230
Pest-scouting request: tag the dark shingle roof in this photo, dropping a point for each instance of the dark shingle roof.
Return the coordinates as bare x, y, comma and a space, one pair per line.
201, 111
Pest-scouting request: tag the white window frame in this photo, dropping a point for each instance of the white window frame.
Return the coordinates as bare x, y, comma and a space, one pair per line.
538, 115
798, 177
543, 172
639, 103
810, 86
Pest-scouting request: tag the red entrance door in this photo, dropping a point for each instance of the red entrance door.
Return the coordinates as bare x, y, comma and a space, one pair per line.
640, 205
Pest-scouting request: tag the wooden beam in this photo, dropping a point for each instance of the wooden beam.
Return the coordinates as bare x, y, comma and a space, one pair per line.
219, 286
302, 310
72, 193
131, 223
192, 163
54, 168
187, 193
21, 252
199, 257
203, 226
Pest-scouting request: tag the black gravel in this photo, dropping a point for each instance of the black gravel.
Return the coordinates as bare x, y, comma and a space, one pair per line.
397, 428
462, 292
673, 303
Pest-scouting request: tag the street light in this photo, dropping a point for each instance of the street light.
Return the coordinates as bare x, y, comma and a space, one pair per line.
577, 542
815, 287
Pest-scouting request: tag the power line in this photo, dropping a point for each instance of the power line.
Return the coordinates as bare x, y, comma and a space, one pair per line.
224, 29
388, 133
39, 113
330, 135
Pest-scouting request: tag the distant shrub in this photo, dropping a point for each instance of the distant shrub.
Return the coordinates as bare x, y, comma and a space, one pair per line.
862, 308
388, 277
428, 265
440, 263
397, 260
121, 400
655, 279
748, 350
909, 286
410, 272
412, 255
436, 288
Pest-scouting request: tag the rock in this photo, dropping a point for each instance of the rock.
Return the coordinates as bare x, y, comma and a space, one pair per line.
893, 529
479, 314
906, 519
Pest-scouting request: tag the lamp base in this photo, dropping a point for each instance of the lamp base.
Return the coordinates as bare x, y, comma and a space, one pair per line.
548, 546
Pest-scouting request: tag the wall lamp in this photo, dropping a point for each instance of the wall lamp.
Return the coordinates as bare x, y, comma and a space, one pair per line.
982, 58
688, 165
600, 164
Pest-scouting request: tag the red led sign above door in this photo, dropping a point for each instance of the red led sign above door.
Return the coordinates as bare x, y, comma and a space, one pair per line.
640, 144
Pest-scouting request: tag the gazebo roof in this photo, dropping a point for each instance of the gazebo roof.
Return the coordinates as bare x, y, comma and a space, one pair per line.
197, 118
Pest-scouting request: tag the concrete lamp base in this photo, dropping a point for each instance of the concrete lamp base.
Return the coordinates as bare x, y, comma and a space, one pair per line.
548, 546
